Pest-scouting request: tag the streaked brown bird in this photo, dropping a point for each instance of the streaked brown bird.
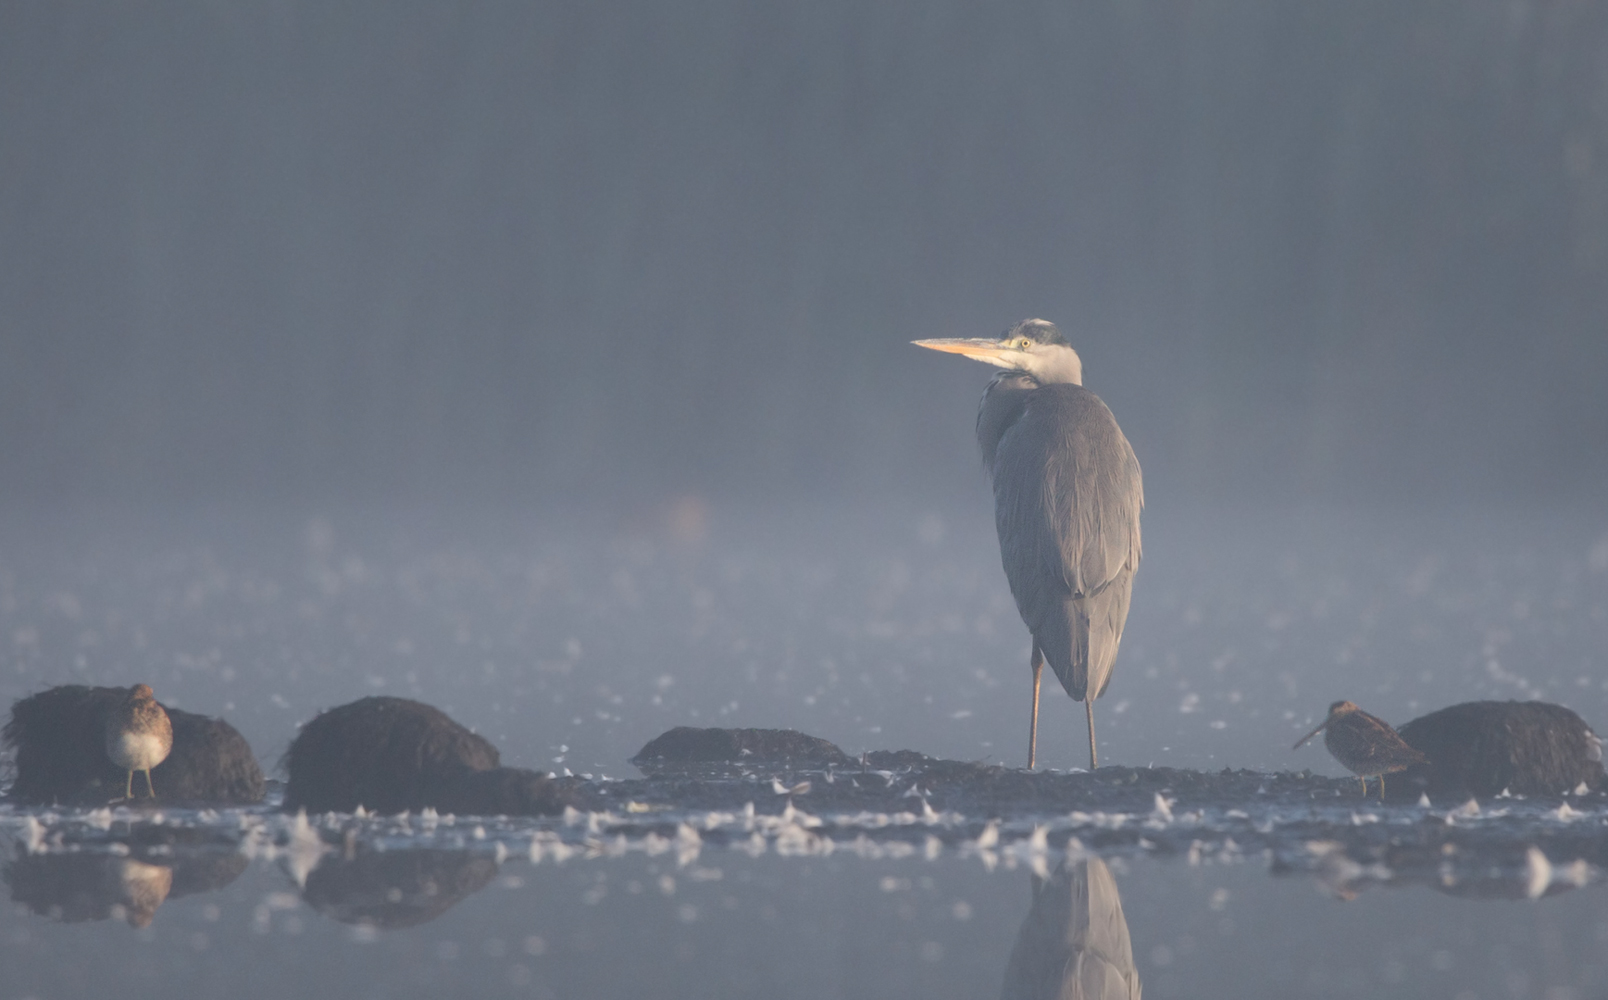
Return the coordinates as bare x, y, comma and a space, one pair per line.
139, 736
1365, 744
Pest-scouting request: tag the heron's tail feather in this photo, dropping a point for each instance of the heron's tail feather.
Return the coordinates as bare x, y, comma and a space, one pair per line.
1080, 640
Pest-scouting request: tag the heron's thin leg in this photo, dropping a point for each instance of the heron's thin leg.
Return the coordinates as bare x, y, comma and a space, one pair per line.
148, 786
1032, 728
128, 792
1088, 711
1364, 785
1381, 788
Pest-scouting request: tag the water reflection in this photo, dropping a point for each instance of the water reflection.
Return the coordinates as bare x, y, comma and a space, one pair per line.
1498, 872
1074, 942
80, 887
392, 889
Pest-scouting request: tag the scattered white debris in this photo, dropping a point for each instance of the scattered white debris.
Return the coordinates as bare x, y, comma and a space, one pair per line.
304, 850
1337, 873
989, 838
688, 845
1161, 813
33, 835
1537, 873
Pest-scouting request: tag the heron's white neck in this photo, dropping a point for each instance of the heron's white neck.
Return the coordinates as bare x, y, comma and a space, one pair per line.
1052, 364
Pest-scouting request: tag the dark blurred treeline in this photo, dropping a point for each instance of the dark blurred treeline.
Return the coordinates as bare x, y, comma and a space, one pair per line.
526, 252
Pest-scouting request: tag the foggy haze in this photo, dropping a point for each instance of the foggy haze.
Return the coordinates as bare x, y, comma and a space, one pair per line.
520, 253
549, 363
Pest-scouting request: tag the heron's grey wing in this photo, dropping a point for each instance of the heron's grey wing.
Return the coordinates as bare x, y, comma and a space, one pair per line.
1093, 488
1068, 493
1074, 942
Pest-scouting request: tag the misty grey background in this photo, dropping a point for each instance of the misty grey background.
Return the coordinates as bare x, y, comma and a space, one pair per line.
611, 254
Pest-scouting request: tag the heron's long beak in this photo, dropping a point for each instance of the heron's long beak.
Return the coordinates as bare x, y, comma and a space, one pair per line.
1308, 736
989, 352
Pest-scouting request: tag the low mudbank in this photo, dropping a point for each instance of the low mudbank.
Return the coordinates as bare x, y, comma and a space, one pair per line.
391, 755
1476, 750
56, 737
686, 745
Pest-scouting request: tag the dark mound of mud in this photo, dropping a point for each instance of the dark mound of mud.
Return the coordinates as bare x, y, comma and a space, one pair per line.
60, 756
905, 781
1480, 748
686, 745
73, 888
392, 889
392, 754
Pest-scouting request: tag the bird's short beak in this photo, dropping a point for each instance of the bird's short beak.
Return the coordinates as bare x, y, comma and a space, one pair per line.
1308, 736
989, 352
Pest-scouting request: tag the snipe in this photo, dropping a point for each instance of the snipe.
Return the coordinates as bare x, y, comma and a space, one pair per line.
139, 736
1365, 744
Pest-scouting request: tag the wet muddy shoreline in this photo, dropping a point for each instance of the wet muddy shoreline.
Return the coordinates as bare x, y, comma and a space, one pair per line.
1291, 822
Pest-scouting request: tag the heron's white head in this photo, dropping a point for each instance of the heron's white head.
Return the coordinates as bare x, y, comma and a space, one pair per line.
1033, 346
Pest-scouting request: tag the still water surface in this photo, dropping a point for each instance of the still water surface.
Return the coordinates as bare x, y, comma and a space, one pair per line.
731, 925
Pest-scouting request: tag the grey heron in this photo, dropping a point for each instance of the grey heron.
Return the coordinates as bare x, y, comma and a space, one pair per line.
1067, 497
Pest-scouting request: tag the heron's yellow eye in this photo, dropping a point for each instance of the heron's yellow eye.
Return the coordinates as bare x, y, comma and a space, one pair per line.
1023, 343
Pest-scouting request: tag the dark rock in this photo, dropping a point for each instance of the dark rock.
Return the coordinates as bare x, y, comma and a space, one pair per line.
390, 755
1481, 748
393, 889
687, 745
60, 756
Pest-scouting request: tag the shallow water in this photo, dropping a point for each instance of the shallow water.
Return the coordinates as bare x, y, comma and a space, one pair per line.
571, 647
470, 905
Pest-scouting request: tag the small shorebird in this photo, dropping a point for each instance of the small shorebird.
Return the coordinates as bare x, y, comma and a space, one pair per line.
139, 736
1365, 744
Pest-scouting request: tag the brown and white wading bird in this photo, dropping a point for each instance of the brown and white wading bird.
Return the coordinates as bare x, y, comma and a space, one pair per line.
1067, 496
139, 736
1365, 744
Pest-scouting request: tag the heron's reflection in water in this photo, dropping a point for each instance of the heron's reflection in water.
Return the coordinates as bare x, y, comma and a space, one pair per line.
1074, 942
391, 889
